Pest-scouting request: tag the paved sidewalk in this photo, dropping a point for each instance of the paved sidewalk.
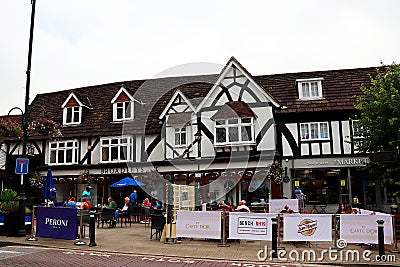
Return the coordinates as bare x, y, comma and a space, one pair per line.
136, 240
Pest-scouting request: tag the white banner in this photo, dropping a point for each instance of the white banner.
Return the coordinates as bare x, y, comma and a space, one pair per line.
361, 228
250, 226
277, 205
307, 227
198, 224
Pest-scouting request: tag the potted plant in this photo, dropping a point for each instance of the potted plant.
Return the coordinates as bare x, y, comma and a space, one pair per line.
9, 211
10, 128
45, 126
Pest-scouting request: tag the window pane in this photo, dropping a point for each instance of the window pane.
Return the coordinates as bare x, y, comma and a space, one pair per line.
304, 131
324, 130
61, 156
54, 145
314, 89
69, 115
128, 109
246, 120
305, 89
120, 111
233, 121
314, 130
246, 133
221, 135
183, 138
53, 156
70, 144
220, 122
114, 153
105, 142
124, 153
104, 154
76, 114
61, 145
114, 141
69, 156
177, 139
233, 134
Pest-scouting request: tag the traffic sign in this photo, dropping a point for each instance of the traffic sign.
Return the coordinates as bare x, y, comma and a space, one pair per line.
21, 166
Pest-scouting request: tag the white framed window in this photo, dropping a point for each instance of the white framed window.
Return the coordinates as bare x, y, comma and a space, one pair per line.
357, 129
234, 131
116, 149
180, 137
63, 153
310, 88
72, 115
314, 131
123, 110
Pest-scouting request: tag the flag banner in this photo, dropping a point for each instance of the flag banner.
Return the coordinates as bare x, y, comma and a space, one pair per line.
363, 228
56, 222
250, 226
198, 224
307, 227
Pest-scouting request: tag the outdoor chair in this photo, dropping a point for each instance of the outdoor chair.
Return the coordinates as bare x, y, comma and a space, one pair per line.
85, 220
126, 217
146, 216
157, 224
106, 216
136, 213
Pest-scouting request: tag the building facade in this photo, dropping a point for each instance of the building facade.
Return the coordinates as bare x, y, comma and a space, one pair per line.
231, 135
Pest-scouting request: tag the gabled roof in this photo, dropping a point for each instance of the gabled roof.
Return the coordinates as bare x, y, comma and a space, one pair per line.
72, 97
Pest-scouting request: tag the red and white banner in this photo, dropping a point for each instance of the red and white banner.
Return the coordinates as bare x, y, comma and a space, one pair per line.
363, 228
250, 226
198, 224
307, 227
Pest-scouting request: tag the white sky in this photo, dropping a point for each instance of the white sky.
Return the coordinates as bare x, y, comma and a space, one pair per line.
89, 42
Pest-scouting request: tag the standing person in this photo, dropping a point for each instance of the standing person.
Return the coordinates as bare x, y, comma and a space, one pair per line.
86, 193
341, 210
133, 197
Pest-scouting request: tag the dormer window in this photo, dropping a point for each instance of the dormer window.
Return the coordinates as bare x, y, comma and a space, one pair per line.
72, 110
122, 106
309, 89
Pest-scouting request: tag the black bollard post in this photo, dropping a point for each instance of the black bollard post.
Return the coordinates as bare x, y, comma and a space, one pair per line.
381, 243
223, 240
92, 229
274, 252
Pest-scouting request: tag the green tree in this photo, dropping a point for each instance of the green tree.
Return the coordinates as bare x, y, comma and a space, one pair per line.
379, 120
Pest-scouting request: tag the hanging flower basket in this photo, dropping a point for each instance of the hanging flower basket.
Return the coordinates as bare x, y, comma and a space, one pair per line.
10, 128
36, 180
46, 127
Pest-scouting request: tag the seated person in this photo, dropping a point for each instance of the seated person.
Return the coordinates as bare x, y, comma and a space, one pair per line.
71, 202
286, 209
85, 204
242, 206
111, 203
146, 203
225, 206
125, 208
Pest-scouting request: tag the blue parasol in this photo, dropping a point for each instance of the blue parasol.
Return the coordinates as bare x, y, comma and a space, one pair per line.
49, 190
127, 181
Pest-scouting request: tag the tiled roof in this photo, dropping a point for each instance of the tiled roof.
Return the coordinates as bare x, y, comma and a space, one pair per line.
236, 109
338, 87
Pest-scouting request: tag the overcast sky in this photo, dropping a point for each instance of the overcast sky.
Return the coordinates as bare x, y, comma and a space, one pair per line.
88, 42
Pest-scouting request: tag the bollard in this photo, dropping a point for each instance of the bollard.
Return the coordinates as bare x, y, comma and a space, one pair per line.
92, 229
381, 243
223, 241
274, 252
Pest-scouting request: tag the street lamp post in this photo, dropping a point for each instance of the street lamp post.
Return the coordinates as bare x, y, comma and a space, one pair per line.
21, 211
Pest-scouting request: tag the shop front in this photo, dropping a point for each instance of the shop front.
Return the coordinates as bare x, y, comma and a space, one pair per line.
332, 180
